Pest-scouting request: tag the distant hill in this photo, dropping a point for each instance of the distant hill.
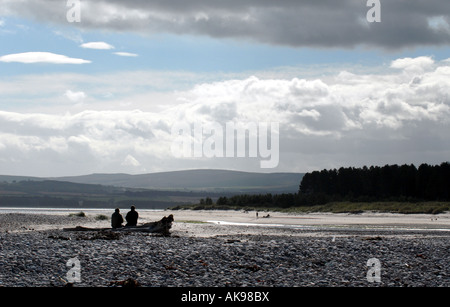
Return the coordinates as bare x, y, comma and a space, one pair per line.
60, 194
9, 179
198, 180
156, 190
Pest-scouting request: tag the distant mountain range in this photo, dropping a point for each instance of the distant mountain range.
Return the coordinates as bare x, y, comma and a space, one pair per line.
198, 180
188, 180
154, 190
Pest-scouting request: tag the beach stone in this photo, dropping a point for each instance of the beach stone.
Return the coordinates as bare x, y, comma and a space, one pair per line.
269, 258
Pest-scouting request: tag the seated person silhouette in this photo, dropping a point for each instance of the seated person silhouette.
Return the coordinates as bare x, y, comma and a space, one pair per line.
116, 219
132, 217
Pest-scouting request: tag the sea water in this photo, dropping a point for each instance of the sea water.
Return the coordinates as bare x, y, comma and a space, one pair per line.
65, 211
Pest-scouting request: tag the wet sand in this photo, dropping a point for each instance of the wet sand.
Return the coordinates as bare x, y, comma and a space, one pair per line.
200, 223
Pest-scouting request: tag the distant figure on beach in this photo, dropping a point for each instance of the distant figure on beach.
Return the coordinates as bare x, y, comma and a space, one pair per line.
132, 217
116, 219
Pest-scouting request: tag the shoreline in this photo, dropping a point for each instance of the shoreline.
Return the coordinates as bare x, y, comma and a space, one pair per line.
210, 222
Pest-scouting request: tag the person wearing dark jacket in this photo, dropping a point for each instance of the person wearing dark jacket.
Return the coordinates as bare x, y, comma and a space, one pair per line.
116, 219
132, 217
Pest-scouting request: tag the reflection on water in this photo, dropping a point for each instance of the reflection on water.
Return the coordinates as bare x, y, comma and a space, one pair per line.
263, 225
332, 227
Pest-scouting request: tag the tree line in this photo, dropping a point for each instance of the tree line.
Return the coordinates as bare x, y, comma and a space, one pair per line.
404, 183
386, 183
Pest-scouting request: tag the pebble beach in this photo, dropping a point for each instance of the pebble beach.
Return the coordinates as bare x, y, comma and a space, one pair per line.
217, 249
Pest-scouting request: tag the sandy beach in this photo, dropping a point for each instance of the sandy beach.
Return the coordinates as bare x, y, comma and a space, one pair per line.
227, 248
318, 221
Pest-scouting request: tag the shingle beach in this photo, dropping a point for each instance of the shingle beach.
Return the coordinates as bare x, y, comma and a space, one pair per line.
35, 251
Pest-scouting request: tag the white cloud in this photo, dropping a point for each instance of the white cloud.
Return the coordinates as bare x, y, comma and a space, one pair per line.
413, 64
97, 45
126, 54
130, 161
75, 96
41, 57
350, 118
90, 139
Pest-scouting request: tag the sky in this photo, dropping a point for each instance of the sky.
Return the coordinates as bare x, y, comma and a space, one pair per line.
104, 86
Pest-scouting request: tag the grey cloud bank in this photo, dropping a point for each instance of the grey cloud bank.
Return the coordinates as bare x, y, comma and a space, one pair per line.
297, 23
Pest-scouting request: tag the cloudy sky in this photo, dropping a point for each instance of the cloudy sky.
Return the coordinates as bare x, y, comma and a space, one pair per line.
102, 95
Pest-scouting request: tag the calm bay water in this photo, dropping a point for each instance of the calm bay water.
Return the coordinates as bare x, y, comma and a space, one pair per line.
65, 211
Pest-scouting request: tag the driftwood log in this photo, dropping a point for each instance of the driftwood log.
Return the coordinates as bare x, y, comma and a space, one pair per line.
161, 227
